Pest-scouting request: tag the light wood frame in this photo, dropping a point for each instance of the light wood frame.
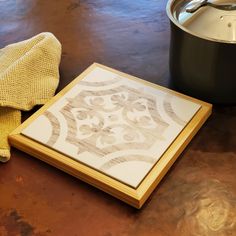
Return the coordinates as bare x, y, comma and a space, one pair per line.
134, 197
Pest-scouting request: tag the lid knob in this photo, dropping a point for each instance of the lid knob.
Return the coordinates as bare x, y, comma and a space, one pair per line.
195, 5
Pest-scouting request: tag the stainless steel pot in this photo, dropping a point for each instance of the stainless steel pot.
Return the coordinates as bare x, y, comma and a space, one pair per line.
203, 48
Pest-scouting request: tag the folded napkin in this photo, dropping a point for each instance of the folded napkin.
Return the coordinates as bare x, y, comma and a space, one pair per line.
29, 75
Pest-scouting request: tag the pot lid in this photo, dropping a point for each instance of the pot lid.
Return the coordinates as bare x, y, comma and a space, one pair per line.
209, 19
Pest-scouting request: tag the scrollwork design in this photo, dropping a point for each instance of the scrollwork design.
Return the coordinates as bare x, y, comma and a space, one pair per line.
139, 127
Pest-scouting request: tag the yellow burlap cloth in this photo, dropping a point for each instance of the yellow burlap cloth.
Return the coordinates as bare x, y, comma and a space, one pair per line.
29, 75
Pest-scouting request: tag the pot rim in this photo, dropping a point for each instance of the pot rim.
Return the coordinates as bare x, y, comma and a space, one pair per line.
175, 21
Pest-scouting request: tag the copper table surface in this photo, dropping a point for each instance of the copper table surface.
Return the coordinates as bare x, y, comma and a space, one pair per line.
196, 197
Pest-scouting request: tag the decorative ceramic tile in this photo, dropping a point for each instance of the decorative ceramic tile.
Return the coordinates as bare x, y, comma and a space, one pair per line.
113, 124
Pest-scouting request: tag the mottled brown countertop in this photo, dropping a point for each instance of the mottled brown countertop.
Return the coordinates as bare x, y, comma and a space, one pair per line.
196, 197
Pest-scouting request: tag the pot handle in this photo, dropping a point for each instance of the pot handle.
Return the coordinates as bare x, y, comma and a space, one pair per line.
195, 5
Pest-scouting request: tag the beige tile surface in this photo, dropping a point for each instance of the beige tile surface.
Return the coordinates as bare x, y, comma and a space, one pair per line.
115, 125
